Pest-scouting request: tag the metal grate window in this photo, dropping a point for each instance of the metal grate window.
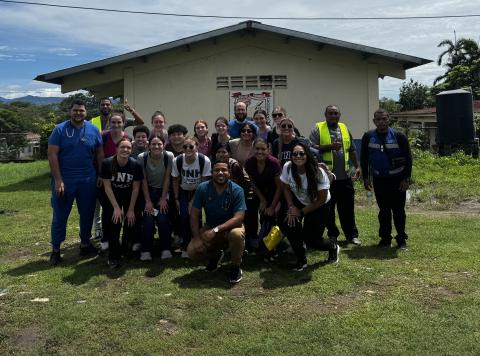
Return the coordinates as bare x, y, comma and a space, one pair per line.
252, 82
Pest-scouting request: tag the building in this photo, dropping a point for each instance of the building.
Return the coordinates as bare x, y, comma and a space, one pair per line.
203, 75
425, 120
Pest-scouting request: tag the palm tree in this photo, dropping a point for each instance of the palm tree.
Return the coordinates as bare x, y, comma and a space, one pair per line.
462, 52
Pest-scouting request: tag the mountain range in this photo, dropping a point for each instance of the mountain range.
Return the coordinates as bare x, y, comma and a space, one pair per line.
35, 100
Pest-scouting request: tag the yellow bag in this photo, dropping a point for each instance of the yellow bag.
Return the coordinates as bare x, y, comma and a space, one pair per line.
273, 238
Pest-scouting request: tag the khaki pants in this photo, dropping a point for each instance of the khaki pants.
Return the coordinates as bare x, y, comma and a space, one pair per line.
201, 250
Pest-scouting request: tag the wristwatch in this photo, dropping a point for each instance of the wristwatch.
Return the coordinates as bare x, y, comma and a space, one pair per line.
216, 229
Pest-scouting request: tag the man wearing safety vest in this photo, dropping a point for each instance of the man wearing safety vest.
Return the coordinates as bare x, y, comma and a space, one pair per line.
334, 141
386, 156
102, 122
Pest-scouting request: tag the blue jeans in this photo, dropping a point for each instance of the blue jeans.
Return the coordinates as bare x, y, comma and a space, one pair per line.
162, 220
184, 197
84, 191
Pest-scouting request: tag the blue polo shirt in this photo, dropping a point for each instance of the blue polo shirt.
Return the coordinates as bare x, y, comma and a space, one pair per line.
234, 127
77, 155
219, 207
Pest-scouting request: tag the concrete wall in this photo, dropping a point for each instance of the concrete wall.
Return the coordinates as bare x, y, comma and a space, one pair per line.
182, 82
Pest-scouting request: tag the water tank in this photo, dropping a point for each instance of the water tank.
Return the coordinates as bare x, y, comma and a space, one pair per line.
455, 118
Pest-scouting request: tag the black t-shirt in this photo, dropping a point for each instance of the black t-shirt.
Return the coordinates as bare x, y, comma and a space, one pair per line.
286, 149
123, 179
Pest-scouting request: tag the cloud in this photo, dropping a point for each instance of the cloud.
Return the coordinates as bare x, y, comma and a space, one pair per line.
63, 52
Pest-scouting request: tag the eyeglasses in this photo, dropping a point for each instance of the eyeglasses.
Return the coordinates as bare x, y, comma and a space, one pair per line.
298, 154
190, 147
277, 114
286, 126
246, 131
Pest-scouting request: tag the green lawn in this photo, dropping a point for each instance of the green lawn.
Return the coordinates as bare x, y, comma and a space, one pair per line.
425, 300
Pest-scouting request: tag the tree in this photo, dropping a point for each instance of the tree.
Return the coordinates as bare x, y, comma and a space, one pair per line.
462, 66
92, 105
414, 95
390, 105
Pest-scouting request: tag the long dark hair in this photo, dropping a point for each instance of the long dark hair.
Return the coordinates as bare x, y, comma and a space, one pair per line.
311, 170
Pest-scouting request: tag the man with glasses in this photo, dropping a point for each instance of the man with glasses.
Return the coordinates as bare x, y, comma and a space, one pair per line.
240, 111
386, 156
334, 141
224, 205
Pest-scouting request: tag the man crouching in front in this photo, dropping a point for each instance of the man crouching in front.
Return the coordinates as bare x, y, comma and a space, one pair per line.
224, 205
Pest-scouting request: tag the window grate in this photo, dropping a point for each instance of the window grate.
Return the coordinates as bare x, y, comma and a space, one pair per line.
267, 81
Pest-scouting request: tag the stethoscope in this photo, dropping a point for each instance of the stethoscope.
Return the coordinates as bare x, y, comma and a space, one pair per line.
82, 139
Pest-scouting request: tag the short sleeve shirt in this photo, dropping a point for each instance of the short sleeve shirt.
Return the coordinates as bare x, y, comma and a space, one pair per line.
234, 127
301, 192
124, 176
155, 170
264, 181
77, 154
190, 175
219, 207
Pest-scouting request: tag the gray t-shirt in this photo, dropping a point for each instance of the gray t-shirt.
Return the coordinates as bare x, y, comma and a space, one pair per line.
154, 171
337, 156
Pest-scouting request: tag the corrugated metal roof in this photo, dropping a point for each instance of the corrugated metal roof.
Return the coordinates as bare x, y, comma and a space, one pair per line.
407, 60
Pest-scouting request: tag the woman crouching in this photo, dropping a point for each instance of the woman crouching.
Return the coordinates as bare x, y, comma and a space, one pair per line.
121, 175
306, 190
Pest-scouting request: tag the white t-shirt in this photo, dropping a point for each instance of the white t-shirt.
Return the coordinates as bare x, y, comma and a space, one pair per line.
302, 193
191, 175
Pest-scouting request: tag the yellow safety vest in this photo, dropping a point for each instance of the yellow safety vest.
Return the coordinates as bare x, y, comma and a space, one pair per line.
97, 122
325, 139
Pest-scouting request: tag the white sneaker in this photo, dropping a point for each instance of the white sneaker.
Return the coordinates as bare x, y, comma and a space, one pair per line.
104, 246
184, 254
145, 256
166, 254
136, 247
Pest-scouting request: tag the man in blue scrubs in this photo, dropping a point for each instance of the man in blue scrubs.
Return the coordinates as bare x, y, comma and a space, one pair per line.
224, 205
75, 153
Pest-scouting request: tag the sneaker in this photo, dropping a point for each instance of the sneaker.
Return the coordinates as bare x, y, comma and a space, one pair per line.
384, 243
104, 246
166, 254
145, 256
355, 241
333, 254
184, 254
55, 258
401, 244
300, 265
215, 262
88, 250
135, 248
114, 264
235, 274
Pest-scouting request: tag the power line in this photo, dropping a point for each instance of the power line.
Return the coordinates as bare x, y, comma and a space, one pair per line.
242, 17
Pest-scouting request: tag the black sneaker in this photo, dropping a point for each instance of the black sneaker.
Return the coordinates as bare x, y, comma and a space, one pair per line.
235, 274
384, 243
300, 265
88, 250
401, 244
333, 254
55, 258
114, 264
215, 262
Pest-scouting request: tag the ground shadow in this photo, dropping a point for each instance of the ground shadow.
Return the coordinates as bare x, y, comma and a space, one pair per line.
37, 183
199, 278
372, 252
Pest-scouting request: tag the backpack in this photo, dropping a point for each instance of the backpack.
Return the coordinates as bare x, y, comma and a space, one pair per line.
201, 162
165, 160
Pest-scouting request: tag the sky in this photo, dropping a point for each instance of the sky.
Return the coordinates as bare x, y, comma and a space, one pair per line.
37, 39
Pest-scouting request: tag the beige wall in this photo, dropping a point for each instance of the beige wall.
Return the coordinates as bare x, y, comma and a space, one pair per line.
182, 82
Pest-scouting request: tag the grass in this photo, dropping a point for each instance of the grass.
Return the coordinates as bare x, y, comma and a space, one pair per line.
424, 300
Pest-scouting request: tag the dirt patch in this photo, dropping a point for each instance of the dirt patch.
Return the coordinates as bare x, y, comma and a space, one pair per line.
7, 212
458, 276
27, 339
167, 327
432, 296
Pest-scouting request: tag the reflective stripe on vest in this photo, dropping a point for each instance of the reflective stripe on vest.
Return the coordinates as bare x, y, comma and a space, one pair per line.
97, 122
325, 139
380, 160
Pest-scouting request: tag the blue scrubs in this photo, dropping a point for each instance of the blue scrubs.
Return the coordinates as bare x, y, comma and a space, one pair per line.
77, 159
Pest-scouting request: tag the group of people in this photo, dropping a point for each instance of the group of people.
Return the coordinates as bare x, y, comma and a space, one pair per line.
247, 177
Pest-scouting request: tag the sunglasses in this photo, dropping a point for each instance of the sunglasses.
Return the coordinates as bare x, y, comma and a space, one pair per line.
298, 154
190, 147
286, 126
246, 131
277, 115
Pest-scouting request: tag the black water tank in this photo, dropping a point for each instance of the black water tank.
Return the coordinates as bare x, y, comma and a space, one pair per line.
455, 117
